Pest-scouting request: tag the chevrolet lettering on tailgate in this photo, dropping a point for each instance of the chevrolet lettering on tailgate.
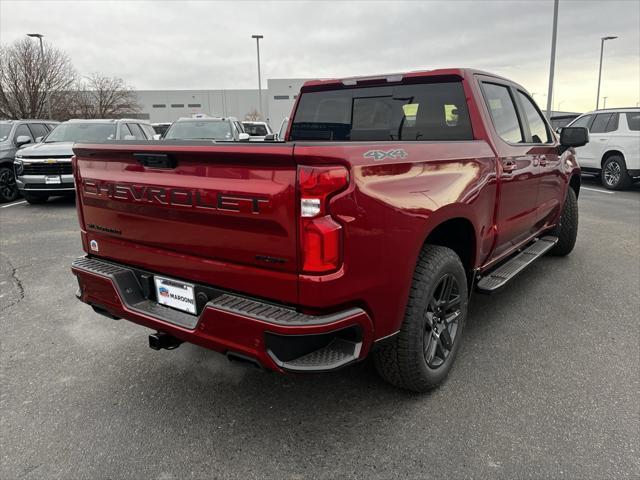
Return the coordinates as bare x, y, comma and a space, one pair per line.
197, 198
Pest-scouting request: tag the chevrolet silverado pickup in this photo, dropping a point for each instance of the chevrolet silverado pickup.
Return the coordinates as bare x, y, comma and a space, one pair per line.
362, 233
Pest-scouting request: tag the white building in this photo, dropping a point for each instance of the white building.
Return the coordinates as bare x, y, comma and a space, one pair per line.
167, 105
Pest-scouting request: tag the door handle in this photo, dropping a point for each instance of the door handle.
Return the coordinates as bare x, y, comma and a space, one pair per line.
543, 160
508, 165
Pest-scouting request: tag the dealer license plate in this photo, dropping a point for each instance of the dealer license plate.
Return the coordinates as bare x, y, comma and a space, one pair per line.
52, 179
175, 294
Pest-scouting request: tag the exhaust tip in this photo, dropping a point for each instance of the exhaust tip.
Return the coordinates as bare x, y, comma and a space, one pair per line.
163, 341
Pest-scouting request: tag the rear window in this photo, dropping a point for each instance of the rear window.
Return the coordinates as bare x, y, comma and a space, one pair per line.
200, 130
434, 111
255, 129
633, 120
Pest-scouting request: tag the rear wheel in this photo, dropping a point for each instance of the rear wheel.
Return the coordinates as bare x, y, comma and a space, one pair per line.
614, 173
420, 356
8, 187
36, 198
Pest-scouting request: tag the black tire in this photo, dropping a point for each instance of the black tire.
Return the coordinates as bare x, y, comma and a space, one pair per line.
567, 229
614, 175
8, 188
36, 198
403, 361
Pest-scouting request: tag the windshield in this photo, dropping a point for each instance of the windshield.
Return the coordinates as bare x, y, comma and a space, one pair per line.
198, 130
82, 132
5, 130
255, 130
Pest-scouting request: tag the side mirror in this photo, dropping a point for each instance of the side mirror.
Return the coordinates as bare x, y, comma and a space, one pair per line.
22, 140
559, 130
243, 137
39, 139
271, 137
129, 137
574, 136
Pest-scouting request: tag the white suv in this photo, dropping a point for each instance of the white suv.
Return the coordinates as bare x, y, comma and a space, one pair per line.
613, 151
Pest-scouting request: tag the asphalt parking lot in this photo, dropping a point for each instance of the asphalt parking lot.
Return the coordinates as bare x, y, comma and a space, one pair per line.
546, 384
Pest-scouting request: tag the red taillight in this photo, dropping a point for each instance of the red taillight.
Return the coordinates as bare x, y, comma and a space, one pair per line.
320, 234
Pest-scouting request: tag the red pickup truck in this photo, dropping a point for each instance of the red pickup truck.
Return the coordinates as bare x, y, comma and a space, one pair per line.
392, 198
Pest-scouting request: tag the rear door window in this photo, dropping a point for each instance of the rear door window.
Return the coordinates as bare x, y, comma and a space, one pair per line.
600, 123
633, 120
503, 112
431, 111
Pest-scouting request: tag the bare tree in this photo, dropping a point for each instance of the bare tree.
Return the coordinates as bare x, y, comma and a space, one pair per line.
27, 77
253, 116
100, 96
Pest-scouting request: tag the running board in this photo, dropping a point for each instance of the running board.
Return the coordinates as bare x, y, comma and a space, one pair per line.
506, 272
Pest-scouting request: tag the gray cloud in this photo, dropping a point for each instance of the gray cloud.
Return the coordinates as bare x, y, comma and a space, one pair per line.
183, 45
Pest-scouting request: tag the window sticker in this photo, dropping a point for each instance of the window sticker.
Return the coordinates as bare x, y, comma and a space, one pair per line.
410, 109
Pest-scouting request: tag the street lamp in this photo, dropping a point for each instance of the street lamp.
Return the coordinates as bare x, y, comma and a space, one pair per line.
602, 40
258, 37
552, 63
39, 37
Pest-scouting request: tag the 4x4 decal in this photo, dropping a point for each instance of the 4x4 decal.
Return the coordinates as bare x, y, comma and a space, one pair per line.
379, 155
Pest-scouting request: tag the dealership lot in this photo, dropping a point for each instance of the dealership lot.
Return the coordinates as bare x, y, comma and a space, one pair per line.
546, 383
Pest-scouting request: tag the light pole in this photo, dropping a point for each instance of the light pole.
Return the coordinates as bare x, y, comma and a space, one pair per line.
258, 37
39, 37
605, 102
602, 40
552, 65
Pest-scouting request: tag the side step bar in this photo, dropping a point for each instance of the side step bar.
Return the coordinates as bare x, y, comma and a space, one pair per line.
499, 277
338, 353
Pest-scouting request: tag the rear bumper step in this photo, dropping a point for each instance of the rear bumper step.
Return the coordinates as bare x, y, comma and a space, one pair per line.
277, 337
507, 271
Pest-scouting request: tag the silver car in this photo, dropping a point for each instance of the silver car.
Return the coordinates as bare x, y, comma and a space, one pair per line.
15, 134
44, 169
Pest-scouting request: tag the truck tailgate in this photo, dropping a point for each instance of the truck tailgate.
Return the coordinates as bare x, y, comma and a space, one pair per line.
205, 213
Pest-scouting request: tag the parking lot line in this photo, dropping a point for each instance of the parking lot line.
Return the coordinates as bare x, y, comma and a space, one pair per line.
596, 190
13, 204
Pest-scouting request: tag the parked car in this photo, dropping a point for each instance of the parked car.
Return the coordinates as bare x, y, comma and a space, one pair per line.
220, 129
44, 169
362, 234
559, 121
257, 130
15, 134
613, 152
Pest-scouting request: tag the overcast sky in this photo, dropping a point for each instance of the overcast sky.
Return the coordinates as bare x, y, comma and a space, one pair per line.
208, 45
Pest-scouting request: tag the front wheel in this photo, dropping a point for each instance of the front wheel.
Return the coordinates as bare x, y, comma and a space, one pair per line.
8, 187
567, 228
614, 174
420, 356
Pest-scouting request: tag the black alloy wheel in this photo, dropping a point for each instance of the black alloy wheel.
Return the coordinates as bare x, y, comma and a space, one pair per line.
8, 187
441, 325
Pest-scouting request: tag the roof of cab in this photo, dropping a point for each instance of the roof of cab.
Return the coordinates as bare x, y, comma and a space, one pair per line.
395, 78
